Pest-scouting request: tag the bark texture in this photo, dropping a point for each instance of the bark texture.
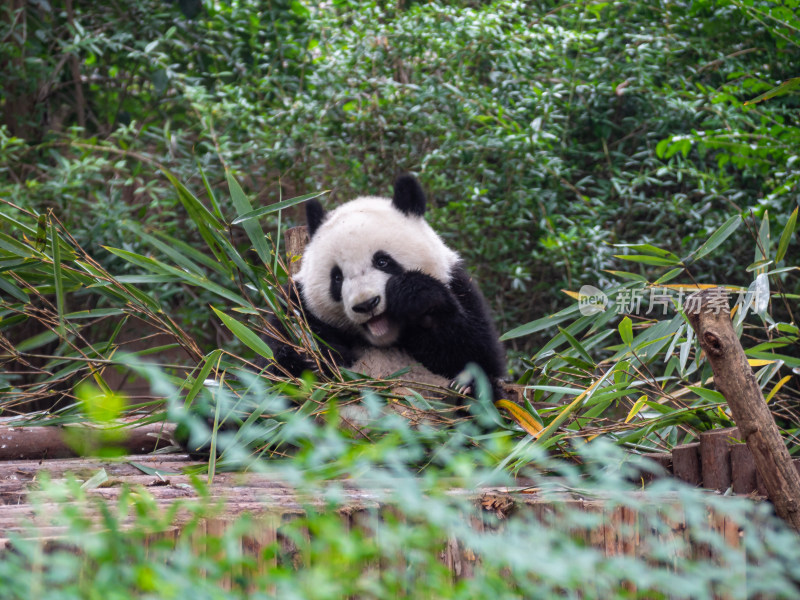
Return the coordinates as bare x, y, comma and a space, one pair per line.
709, 315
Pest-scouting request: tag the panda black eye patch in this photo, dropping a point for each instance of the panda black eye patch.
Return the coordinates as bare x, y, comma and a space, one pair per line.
337, 278
384, 262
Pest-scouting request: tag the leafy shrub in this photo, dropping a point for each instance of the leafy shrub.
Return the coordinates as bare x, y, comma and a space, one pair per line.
544, 133
673, 542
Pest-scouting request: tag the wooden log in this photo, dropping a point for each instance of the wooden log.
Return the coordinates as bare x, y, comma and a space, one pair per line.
664, 462
709, 314
35, 443
686, 463
655, 466
743, 470
715, 457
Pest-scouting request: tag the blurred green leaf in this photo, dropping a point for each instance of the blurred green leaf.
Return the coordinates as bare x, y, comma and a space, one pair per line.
787, 86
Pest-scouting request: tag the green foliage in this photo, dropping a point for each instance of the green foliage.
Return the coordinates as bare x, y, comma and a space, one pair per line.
544, 133
147, 147
653, 391
391, 546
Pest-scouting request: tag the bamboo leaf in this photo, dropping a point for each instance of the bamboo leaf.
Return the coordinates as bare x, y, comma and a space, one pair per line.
16, 248
193, 254
247, 337
196, 209
37, 341
95, 481
209, 362
626, 331
207, 224
784, 88
520, 416
154, 472
95, 313
716, 238
759, 362
265, 210
169, 250
157, 266
645, 259
19, 226
778, 386
211, 197
709, 395
758, 265
251, 227
786, 237
570, 408
12, 290
685, 347
650, 250
762, 248
577, 345
557, 389
58, 277
539, 324
669, 275
637, 406
627, 275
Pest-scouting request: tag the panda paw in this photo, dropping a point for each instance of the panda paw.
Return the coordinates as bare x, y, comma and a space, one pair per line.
413, 296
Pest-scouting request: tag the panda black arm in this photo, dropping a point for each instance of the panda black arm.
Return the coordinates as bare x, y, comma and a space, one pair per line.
445, 327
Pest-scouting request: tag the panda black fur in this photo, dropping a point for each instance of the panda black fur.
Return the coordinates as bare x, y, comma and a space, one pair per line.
374, 274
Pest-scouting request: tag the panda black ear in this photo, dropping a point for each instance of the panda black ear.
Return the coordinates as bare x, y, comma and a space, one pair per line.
315, 214
408, 195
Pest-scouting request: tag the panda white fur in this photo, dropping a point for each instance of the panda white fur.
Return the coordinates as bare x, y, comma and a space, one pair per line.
375, 275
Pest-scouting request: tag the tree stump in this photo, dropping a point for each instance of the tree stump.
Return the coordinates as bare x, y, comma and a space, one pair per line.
686, 463
715, 456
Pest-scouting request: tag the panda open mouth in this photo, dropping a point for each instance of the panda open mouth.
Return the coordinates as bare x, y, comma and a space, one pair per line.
378, 326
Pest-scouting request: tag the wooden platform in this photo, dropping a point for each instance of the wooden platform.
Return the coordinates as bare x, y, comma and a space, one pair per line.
272, 501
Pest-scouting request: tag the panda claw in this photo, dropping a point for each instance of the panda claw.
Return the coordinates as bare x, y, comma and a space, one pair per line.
461, 387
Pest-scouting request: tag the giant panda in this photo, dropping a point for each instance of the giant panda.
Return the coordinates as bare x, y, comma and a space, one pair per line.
375, 277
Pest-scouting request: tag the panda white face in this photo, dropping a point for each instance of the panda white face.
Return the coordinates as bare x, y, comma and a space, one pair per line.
354, 252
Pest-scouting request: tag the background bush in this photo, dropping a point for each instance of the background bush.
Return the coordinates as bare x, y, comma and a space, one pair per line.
544, 134
535, 127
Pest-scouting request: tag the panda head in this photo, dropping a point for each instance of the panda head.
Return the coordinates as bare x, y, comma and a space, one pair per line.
356, 248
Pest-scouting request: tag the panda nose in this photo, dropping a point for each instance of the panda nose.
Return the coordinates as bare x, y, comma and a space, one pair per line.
368, 305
